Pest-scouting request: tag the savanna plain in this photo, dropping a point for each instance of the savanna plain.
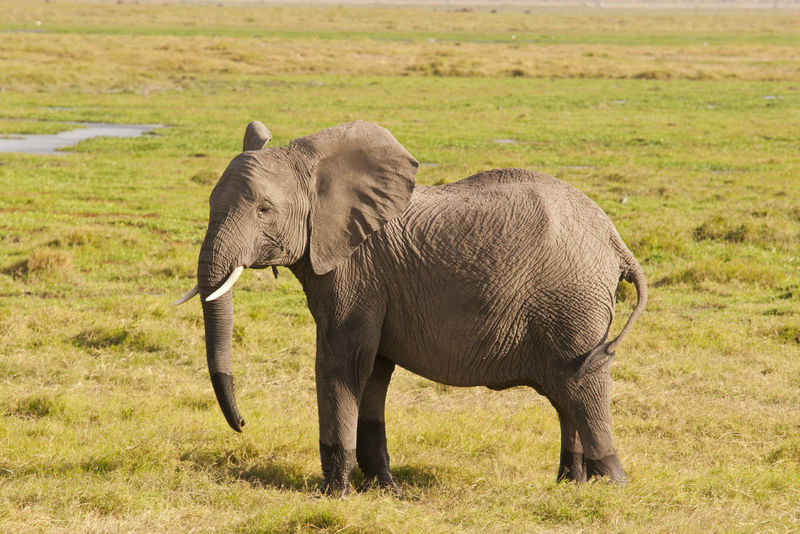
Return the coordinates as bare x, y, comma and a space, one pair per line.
683, 126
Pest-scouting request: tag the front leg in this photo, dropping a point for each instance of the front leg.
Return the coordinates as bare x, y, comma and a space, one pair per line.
338, 412
371, 450
342, 369
337, 467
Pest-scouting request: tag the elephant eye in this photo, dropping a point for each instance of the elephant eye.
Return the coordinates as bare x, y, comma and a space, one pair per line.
262, 210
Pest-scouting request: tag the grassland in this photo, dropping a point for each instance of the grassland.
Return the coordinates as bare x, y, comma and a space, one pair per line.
107, 419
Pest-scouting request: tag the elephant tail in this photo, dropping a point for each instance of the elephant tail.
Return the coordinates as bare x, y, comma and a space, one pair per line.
631, 272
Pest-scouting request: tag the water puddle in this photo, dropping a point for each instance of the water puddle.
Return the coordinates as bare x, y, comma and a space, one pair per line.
50, 144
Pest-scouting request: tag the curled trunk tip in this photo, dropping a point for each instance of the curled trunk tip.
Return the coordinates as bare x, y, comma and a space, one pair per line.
223, 389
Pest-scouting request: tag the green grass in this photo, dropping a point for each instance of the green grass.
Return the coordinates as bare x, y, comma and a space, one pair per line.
107, 419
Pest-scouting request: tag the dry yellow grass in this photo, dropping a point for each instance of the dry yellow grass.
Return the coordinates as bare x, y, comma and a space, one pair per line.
132, 46
84, 61
580, 22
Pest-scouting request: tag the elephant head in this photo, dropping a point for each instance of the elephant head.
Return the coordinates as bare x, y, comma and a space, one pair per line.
314, 201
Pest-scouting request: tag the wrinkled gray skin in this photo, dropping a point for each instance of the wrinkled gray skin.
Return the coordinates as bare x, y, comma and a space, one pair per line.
505, 278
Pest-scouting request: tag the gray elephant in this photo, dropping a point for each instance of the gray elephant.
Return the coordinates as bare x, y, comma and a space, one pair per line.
503, 279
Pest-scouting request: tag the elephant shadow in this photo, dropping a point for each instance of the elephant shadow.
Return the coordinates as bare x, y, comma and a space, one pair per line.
277, 473
419, 475
285, 475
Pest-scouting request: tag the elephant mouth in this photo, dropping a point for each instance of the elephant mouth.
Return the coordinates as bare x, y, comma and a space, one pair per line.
224, 288
227, 284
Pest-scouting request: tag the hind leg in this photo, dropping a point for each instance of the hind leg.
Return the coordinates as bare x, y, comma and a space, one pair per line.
571, 464
591, 412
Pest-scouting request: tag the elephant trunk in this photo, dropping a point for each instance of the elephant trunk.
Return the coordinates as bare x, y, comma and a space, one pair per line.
218, 319
218, 322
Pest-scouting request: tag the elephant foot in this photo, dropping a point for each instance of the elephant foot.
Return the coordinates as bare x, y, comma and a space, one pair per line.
383, 482
571, 467
330, 489
337, 466
610, 467
373, 457
576, 467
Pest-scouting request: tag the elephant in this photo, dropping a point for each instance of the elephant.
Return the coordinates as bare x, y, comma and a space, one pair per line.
506, 278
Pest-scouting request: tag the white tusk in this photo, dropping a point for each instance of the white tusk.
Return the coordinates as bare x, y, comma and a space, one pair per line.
237, 272
189, 294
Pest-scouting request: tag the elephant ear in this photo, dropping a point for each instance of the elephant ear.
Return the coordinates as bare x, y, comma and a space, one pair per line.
256, 135
363, 179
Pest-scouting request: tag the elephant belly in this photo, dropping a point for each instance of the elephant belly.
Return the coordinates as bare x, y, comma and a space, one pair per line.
455, 354
462, 339
464, 335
